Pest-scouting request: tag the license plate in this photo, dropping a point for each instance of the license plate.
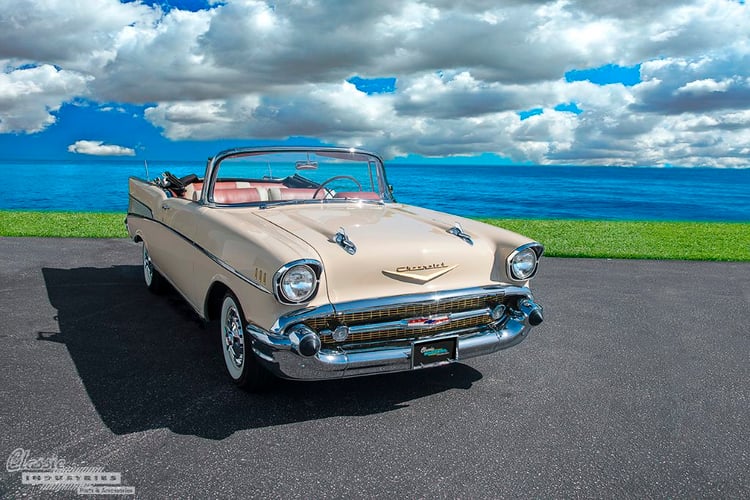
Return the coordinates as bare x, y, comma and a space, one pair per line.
433, 352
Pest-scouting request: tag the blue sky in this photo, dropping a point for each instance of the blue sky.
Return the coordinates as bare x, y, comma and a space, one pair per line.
563, 83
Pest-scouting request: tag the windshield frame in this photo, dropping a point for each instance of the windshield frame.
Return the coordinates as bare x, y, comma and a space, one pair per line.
213, 164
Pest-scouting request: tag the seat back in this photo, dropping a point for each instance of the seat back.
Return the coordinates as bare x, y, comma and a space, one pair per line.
240, 195
285, 193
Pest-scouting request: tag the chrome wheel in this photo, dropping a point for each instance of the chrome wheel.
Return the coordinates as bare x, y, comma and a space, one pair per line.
232, 338
242, 365
151, 276
148, 268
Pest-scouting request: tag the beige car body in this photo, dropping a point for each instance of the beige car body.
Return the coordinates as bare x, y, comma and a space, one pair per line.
205, 249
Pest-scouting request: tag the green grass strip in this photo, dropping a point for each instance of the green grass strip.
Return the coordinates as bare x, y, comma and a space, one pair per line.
562, 238
63, 224
636, 239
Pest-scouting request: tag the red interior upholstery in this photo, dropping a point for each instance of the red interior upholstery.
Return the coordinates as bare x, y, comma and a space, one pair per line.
268, 185
221, 185
242, 195
230, 192
299, 194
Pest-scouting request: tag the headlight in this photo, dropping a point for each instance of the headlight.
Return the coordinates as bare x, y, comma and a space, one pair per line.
522, 263
296, 282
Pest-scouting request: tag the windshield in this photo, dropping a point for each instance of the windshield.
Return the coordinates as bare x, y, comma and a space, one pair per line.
297, 177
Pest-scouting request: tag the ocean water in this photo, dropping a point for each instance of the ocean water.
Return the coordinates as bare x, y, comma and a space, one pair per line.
608, 193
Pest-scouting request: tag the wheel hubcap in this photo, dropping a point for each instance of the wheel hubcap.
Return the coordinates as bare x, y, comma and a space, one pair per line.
233, 338
148, 267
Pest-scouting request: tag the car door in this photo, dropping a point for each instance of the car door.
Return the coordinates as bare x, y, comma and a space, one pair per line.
178, 252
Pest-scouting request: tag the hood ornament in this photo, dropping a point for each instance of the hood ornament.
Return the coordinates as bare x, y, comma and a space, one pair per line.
344, 242
457, 230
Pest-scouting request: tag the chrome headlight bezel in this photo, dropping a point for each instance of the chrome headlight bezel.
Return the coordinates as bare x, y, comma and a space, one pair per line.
523, 262
282, 288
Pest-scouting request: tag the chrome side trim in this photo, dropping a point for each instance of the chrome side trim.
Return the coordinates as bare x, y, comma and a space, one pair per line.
232, 270
208, 254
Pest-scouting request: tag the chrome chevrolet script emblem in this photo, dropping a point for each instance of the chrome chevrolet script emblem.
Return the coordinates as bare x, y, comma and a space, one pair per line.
419, 274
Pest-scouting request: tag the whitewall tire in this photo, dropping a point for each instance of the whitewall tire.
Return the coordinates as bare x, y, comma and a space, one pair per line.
236, 346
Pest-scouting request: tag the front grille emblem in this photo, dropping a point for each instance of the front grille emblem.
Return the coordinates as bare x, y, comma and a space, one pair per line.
428, 322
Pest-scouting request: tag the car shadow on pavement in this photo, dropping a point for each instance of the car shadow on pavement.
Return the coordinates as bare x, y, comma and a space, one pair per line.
148, 362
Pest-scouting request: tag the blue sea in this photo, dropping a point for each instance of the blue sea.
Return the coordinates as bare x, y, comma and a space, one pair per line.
550, 192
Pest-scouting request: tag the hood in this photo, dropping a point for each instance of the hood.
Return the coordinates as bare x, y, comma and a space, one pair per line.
399, 249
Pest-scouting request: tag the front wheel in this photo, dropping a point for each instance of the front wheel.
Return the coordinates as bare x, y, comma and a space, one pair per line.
236, 345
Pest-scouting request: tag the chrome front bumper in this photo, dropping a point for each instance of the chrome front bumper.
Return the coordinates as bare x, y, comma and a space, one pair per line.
280, 352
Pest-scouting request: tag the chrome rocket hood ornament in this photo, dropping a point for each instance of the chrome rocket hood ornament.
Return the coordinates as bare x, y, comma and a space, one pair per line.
344, 242
458, 231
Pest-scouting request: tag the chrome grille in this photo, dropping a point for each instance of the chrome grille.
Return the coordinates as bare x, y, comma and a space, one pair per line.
379, 335
482, 305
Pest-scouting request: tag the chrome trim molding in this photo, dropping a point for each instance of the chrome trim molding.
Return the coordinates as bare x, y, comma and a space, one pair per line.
317, 269
538, 250
265, 205
429, 322
278, 352
232, 270
213, 163
365, 305
208, 254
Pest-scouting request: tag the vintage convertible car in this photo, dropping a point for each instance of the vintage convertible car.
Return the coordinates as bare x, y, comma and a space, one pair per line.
312, 270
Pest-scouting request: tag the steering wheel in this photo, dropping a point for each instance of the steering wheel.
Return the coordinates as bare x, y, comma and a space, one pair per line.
335, 177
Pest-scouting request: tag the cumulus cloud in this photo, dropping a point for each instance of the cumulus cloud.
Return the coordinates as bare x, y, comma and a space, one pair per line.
98, 148
464, 71
29, 96
75, 34
333, 110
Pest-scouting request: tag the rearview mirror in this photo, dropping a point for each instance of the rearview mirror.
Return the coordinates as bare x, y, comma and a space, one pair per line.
306, 165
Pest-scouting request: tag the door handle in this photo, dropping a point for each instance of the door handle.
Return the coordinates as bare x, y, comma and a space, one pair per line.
164, 206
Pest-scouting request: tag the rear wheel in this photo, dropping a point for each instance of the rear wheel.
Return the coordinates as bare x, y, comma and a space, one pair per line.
155, 282
236, 346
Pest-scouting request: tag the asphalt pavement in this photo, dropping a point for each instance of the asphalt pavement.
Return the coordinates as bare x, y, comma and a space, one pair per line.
636, 385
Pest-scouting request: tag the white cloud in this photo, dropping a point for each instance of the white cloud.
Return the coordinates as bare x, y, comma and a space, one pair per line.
335, 110
704, 86
75, 34
98, 148
257, 69
30, 96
